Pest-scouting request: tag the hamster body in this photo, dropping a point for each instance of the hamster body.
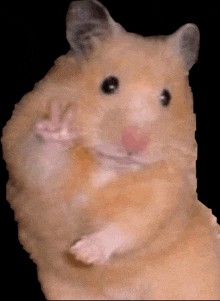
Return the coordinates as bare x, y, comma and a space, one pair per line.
101, 158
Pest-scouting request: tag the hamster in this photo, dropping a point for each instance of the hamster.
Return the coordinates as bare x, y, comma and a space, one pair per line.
101, 158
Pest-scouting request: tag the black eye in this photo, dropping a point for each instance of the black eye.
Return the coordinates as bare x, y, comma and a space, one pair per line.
165, 97
110, 85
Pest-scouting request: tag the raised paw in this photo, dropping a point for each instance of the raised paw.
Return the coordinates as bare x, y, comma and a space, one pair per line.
90, 250
57, 129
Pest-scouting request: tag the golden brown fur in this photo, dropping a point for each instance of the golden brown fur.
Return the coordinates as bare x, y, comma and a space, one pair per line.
169, 247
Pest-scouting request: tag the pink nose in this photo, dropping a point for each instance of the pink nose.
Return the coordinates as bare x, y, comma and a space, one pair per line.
133, 140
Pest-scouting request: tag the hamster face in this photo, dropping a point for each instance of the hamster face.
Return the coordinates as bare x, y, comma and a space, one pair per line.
135, 104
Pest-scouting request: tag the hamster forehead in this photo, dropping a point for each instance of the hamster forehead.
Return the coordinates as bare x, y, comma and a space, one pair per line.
133, 59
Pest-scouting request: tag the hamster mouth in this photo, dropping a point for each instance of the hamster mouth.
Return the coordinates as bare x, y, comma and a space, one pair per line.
114, 160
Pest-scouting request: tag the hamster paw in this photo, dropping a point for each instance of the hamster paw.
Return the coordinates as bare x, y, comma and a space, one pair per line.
57, 129
90, 250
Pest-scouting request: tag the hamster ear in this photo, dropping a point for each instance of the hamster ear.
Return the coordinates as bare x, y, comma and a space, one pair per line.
86, 23
185, 42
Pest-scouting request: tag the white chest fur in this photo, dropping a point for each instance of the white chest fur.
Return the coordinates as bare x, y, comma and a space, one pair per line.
103, 176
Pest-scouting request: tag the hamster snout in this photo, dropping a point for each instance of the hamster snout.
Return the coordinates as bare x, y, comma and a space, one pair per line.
133, 140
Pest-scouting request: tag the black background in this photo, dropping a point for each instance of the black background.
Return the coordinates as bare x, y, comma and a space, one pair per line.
33, 36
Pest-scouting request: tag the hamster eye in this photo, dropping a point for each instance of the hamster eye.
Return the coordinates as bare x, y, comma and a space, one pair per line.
110, 85
165, 97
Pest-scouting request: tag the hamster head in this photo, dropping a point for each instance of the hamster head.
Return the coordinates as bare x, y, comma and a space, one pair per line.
134, 102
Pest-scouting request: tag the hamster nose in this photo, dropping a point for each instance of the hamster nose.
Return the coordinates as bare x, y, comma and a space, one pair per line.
133, 140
